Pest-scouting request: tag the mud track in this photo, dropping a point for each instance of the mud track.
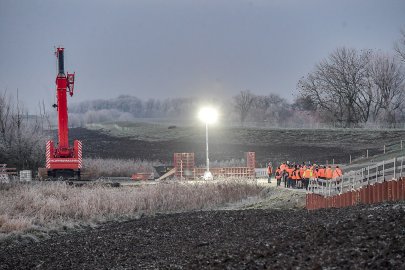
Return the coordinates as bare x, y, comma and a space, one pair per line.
361, 237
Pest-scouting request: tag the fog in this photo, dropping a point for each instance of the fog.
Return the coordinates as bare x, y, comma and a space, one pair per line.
175, 49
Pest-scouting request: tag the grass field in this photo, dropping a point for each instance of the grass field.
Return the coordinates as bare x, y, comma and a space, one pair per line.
158, 141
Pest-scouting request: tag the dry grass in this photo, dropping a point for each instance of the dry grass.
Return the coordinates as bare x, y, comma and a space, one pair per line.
98, 167
44, 206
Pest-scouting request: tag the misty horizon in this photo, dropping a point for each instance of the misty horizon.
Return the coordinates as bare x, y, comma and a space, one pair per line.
156, 49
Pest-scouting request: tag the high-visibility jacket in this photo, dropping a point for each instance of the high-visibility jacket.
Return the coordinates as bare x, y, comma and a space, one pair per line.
307, 174
315, 173
269, 170
297, 175
283, 167
278, 173
337, 172
328, 173
290, 172
302, 170
321, 172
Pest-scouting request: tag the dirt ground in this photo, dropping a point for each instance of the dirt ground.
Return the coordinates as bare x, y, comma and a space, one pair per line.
361, 237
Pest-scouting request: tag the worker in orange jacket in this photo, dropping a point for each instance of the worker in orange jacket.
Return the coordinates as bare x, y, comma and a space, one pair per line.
290, 171
284, 175
321, 172
337, 172
308, 174
279, 174
269, 172
328, 173
296, 177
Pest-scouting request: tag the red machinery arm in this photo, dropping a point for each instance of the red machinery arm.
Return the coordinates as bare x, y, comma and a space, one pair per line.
63, 83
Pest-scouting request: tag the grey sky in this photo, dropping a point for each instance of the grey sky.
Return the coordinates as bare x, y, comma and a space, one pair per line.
179, 48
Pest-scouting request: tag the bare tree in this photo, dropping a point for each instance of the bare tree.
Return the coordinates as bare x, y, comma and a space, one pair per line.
22, 141
399, 46
389, 79
243, 103
338, 86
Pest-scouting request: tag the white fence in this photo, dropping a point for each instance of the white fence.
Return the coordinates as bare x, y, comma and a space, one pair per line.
261, 173
378, 173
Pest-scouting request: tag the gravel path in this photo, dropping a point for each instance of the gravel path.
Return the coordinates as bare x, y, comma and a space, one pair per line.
362, 237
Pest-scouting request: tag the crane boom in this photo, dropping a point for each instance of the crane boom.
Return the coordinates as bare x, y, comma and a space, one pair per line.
63, 160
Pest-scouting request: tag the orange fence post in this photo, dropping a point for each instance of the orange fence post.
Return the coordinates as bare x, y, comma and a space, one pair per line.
356, 198
362, 195
386, 191
375, 193
395, 193
369, 195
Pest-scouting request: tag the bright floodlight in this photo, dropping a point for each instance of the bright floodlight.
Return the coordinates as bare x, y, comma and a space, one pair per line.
208, 115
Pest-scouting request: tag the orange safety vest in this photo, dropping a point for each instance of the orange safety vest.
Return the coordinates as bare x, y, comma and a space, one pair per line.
337, 172
290, 172
296, 175
307, 173
321, 172
328, 173
315, 173
302, 170
282, 167
269, 170
278, 173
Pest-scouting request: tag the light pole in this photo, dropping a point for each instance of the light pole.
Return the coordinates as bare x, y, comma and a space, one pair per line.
209, 116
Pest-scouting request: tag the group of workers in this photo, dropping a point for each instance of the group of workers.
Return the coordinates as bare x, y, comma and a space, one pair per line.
299, 175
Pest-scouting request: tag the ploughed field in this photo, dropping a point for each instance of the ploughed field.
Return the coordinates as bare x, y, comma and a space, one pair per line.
360, 237
159, 142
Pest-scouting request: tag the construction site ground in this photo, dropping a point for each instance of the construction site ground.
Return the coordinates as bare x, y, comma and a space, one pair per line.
272, 232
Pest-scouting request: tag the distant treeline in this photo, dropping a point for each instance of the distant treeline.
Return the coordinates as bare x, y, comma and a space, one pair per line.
349, 88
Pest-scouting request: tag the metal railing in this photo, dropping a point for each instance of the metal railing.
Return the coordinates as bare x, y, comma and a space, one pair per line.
354, 180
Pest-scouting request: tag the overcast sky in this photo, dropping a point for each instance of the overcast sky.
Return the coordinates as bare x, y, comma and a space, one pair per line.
182, 48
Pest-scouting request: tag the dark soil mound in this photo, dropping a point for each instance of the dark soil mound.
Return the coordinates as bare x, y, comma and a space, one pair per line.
295, 148
358, 237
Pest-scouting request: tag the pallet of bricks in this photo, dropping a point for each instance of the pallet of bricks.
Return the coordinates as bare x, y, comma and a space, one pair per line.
6, 174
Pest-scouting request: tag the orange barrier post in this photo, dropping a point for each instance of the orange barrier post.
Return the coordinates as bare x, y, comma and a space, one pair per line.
389, 191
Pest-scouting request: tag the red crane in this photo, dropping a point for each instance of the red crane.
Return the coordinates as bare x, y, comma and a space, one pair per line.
63, 161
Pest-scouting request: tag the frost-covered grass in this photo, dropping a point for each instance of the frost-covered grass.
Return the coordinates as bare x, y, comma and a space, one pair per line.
98, 167
333, 137
43, 206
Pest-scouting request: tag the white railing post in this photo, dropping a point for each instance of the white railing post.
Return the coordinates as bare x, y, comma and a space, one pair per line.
376, 173
383, 170
395, 167
368, 175
330, 184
